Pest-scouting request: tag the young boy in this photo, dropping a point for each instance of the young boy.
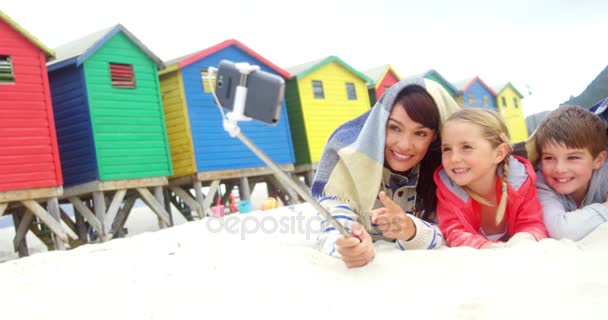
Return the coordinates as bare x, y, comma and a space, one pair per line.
573, 179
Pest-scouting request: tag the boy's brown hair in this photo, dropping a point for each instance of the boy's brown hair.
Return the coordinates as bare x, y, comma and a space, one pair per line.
574, 127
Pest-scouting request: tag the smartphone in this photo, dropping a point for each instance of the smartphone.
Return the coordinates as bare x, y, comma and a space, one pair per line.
228, 77
265, 92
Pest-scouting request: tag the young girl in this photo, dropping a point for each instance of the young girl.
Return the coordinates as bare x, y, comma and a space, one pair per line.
485, 195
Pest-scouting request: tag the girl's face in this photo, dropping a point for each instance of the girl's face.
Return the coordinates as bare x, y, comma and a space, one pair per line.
407, 141
468, 158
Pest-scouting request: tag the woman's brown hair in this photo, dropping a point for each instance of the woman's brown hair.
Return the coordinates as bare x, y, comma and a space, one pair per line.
421, 108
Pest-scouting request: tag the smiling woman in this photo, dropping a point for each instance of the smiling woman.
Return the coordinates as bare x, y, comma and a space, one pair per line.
409, 138
375, 174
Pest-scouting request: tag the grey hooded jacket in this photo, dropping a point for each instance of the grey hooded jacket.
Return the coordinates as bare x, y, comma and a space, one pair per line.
563, 219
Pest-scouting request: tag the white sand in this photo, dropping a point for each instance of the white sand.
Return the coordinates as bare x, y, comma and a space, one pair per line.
196, 271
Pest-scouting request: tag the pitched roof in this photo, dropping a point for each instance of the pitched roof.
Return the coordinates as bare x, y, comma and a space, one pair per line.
78, 51
449, 84
499, 88
50, 54
297, 70
379, 72
188, 59
304, 69
464, 85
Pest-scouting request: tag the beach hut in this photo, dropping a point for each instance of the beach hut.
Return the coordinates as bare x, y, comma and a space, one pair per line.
321, 95
508, 100
383, 77
108, 109
475, 93
196, 134
30, 169
110, 128
203, 152
437, 77
29, 157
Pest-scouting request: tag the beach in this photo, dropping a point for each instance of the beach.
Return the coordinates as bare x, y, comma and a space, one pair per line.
266, 264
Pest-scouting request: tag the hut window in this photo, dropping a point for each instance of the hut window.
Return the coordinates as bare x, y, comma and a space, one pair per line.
351, 93
471, 100
205, 77
486, 101
6, 70
122, 75
515, 102
504, 102
317, 89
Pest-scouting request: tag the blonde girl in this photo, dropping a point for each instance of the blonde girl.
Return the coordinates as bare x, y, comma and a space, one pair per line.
485, 195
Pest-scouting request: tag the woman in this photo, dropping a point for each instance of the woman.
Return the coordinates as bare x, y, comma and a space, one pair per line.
376, 173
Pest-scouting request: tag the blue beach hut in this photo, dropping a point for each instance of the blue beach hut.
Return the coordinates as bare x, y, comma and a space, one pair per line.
197, 138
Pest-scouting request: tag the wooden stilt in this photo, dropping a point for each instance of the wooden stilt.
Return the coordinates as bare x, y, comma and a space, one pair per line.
22, 225
158, 194
208, 201
70, 224
50, 222
198, 192
99, 205
167, 197
156, 206
65, 218
122, 216
87, 214
244, 191
113, 210
187, 198
53, 208
43, 234
81, 227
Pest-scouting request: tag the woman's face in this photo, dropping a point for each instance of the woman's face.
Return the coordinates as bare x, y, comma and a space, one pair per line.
407, 141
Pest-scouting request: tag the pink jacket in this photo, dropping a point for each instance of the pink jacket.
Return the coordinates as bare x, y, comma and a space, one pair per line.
459, 215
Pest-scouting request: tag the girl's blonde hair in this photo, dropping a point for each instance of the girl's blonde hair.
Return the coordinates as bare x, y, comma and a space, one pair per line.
495, 131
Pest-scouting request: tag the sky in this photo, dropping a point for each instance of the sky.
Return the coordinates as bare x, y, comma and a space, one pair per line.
549, 50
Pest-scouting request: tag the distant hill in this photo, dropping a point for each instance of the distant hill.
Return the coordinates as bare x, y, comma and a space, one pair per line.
532, 121
596, 90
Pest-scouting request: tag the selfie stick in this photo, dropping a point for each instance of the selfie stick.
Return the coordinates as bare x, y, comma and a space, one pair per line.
231, 126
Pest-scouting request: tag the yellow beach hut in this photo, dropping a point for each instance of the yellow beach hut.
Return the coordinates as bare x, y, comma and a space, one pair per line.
508, 102
320, 96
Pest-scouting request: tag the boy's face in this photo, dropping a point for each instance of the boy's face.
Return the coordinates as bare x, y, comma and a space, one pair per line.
568, 171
